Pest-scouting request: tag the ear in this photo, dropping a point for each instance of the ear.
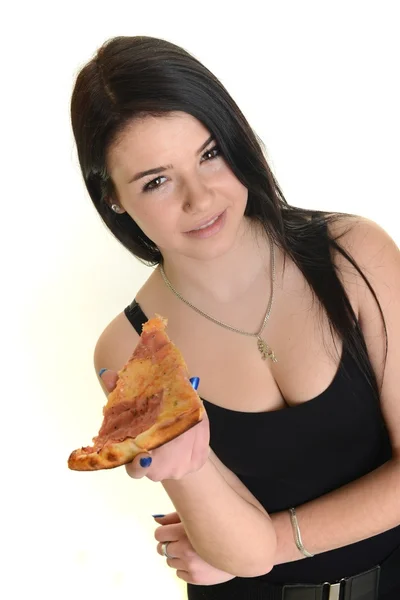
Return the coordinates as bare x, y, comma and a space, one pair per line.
114, 205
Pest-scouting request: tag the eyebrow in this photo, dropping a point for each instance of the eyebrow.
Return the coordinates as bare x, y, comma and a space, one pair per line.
161, 169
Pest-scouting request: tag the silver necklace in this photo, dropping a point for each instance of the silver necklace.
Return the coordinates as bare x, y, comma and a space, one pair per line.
264, 349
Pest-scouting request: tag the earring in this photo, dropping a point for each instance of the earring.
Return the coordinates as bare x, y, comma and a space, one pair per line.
116, 208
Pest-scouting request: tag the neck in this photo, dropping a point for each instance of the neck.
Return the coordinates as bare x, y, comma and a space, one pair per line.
229, 277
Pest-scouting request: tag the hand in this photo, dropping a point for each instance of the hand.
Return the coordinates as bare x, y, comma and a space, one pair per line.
188, 564
184, 455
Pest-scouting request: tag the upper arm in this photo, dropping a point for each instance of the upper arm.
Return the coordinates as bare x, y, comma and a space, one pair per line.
115, 346
378, 257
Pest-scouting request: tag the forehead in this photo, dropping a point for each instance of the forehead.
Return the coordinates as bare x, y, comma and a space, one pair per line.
150, 141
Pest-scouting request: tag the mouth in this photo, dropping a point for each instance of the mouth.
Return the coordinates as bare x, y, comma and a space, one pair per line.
207, 223
209, 226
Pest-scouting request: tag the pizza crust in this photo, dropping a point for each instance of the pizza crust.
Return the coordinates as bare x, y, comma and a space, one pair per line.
108, 457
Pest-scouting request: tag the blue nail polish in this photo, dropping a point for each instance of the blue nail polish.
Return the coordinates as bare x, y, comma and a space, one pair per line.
146, 461
157, 516
195, 382
102, 371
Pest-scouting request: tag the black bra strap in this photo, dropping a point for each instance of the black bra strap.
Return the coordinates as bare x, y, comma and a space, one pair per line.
135, 316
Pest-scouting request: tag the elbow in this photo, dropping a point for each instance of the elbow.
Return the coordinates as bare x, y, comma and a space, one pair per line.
259, 563
243, 570
250, 565
251, 557
259, 566
255, 570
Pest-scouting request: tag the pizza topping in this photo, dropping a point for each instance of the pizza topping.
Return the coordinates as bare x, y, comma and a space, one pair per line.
150, 344
127, 419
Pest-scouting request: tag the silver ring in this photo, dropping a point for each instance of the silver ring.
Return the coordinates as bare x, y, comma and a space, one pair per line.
164, 549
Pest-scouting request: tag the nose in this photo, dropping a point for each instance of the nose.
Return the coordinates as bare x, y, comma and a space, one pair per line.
198, 197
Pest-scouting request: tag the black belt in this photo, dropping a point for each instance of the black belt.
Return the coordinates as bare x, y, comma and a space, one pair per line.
359, 587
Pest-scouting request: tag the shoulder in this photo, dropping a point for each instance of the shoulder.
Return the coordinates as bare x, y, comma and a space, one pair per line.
115, 344
378, 258
374, 251
373, 285
362, 237
119, 338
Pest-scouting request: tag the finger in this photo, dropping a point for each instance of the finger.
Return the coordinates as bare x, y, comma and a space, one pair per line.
184, 575
140, 465
195, 382
108, 378
167, 519
174, 550
176, 563
169, 533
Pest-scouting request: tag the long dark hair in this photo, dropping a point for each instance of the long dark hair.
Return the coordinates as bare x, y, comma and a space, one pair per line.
134, 76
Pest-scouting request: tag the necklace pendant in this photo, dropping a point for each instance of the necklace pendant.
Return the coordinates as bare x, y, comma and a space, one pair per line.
265, 350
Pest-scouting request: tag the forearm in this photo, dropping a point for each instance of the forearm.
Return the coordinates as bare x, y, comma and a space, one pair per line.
359, 510
225, 530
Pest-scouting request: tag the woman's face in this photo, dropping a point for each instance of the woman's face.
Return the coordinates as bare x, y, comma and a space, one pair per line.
170, 177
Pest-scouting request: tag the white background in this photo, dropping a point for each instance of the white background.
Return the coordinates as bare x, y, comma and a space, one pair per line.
318, 81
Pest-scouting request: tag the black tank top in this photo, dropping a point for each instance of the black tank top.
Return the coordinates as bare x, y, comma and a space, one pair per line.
291, 456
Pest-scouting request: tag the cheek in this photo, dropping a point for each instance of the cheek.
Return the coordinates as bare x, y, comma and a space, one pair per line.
142, 218
155, 220
237, 191
231, 184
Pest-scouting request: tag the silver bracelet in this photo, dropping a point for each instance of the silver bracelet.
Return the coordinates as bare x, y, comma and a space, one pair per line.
297, 534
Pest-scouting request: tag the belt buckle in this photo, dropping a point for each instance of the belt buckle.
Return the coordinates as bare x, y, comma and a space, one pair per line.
333, 590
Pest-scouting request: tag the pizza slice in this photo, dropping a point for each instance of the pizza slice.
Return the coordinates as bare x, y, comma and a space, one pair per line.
153, 402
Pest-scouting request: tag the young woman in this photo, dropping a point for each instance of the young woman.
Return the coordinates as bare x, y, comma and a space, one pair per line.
290, 488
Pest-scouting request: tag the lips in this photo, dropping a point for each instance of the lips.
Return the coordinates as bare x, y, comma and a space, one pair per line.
208, 227
205, 223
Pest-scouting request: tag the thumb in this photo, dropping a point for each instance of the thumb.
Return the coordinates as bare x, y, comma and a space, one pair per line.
108, 378
140, 465
169, 519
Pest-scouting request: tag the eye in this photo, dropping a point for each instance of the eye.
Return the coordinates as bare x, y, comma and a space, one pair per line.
153, 184
212, 153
